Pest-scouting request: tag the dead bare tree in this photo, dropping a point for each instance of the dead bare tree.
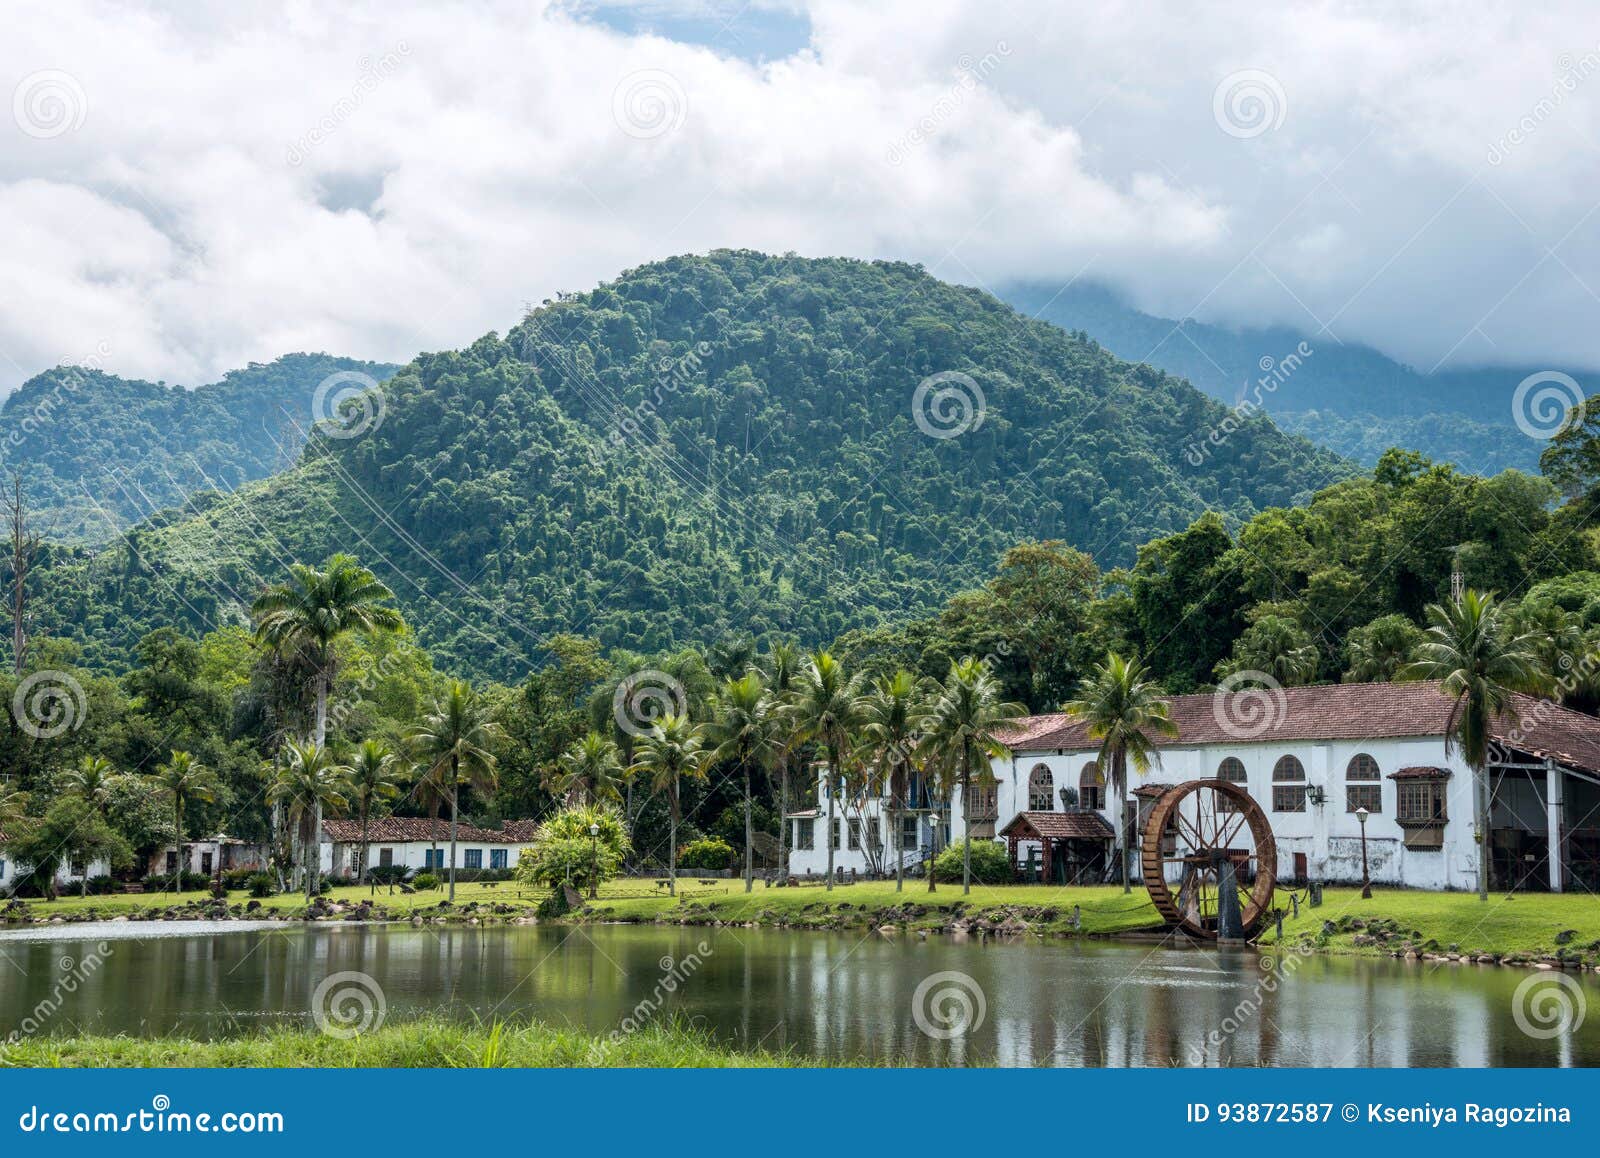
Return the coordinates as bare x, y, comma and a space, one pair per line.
25, 541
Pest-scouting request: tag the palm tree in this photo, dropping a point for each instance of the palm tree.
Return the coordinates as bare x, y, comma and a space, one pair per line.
1380, 649
89, 781
184, 778
891, 719
374, 778
778, 670
673, 749
1479, 663
1278, 647
588, 772
826, 709
1125, 712
308, 614
742, 731
963, 724
309, 780
453, 743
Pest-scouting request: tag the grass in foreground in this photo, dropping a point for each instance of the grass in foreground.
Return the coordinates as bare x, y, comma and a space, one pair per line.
428, 1043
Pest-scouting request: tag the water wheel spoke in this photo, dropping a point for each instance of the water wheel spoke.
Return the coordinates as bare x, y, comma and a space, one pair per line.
1182, 851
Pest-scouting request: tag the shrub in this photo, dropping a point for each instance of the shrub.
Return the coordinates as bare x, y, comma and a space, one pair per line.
425, 881
190, 882
709, 853
387, 874
564, 850
103, 884
239, 878
260, 884
991, 864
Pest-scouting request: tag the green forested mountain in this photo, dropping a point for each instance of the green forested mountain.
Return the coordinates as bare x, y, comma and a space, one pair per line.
710, 443
1349, 398
97, 453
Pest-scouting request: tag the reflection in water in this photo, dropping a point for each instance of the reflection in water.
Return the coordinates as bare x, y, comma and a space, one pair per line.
832, 995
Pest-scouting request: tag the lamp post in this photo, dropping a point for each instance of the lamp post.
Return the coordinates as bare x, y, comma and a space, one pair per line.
594, 860
1366, 880
933, 847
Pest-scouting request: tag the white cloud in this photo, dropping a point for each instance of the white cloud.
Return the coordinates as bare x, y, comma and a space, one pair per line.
378, 179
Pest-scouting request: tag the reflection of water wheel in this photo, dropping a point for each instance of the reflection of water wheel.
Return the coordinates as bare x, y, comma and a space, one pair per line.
1194, 831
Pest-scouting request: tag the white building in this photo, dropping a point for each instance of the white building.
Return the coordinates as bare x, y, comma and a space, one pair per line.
419, 843
68, 876
1311, 757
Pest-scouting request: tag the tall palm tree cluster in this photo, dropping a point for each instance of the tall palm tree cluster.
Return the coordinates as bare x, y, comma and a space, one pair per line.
871, 740
449, 750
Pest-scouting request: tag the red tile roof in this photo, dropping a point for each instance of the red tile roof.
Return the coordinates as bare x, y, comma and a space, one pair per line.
1336, 712
400, 829
1420, 772
1079, 825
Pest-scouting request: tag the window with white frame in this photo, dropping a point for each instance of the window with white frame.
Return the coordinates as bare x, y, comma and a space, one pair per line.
1363, 784
1041, 789
1092, 787
1421, 800
1288, 785
1232, 770
498, 858
855, 833
805, 836
908, 832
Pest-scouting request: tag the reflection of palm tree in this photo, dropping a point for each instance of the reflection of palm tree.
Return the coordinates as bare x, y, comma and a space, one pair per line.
963, 724
674, 749
453, 741
309, 780
1480, 663
183, 778
1125, 712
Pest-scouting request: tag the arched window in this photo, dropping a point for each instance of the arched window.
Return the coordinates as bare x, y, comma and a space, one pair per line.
1288, 785
1364, 784
1041, 788
1231, 770
1091, 787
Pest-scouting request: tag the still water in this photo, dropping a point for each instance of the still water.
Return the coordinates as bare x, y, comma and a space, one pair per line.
838, 996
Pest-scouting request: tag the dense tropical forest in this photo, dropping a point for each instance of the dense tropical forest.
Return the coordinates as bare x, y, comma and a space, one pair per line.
503, 599
98, 453
712, 443
1349, 398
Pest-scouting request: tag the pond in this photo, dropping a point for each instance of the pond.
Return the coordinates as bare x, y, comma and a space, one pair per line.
835, 996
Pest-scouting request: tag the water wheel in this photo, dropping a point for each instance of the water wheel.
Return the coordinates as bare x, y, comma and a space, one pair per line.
1207, 848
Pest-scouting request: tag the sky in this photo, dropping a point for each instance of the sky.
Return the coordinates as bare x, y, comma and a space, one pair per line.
188, 187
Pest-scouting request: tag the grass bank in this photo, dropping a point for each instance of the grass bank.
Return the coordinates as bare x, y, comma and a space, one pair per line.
428, 1043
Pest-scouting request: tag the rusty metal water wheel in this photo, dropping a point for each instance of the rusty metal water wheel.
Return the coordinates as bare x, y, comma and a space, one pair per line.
1195, 827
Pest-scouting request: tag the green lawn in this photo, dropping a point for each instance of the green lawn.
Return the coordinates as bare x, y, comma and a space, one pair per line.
429, 1042
400, 904
1524, 923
